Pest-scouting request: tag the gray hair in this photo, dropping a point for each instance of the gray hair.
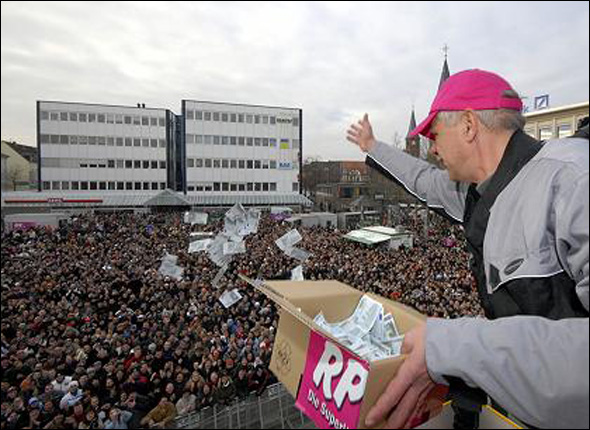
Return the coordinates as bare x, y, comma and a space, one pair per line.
493, 119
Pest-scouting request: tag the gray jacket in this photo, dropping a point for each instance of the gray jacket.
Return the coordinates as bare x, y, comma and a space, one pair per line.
536, 368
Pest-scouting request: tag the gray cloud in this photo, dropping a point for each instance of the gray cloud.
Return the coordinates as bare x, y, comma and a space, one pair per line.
336, 60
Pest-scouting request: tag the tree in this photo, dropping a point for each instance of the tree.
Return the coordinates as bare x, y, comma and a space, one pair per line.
14, 175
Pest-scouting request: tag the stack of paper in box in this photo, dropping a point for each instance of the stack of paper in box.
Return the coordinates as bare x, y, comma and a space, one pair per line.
368, 332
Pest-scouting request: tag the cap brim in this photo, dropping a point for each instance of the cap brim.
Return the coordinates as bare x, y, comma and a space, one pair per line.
424, 127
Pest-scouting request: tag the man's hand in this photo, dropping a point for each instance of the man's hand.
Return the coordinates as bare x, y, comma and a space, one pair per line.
406, 395
361, 134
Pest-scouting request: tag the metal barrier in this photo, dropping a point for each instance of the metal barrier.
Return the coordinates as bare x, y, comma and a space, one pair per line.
275, 409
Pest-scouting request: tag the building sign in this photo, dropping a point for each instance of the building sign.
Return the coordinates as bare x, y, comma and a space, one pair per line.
284, 120
542, 102
285, 165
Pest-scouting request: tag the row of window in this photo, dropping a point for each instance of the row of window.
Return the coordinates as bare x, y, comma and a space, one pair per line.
268, 142
548, 132
224, 163
239, 118
75, 163
62, 139
103, 118
102, 186
157, 186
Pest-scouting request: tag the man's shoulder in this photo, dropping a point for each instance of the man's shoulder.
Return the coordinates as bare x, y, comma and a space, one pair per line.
568, 153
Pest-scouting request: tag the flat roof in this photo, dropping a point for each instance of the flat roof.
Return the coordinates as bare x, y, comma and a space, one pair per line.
367, 237
556, 109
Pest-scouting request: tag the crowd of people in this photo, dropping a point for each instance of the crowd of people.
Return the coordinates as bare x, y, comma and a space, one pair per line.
94, 337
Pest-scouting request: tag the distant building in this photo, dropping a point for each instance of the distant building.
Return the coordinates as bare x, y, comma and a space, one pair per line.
19, 168
555, 122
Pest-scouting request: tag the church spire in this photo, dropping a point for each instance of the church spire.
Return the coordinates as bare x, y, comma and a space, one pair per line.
445, 70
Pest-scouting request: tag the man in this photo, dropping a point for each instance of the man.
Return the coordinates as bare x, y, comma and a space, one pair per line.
73, 396
524, 208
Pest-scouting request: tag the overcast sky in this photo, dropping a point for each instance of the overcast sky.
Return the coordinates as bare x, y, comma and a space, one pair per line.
335, 60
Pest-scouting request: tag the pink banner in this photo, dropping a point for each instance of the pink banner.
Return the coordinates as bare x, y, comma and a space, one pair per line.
333, 385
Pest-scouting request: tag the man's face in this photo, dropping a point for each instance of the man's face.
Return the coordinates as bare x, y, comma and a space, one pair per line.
451, 147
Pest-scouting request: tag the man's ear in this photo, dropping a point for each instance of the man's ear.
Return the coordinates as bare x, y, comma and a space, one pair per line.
469, 125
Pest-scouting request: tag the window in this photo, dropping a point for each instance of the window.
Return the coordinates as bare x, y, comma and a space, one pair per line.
120, 186
296, 121
82, 140
127, 119
63, 139
137, 164
207, 163
92, 140
111, 164
199, 115
216, 140
145, 121
224, 117
102, 186
154, 164
136, 142
265, 186
264, 119
265, 142
249, 119
129, 186
224, 164
199, 139
295, 187
120, 164
233, 187
101, 118
54, 138
225, 186
110, 120
145, 143
154, 143
146, 186
564, 130
145, 164
73, 140
208, 116
75, 186
233, 141
44, 138
73, 117
137, 186
154, 186
250, 186
190, 163
295, 144
136, 120
199, 163
82, 117
128, 141
256, 119
128, 164
257, 164
119, 141
111, 186
273, 186
153, 121
241, 141
545, 133
242, 187
241, 118
63, 116
273, 164
273, 120
162, 143
265, 164
56, 185
257, 141
110, 141
93, 186
118, 119
233, 117
190, 114
249, 141
225, 140
91, 117
258, 186
44, 115
84, 186
102, 141
241, 164
216, 186
250, 164
162, 164
216, 164
208, 139
233, 164
162, 122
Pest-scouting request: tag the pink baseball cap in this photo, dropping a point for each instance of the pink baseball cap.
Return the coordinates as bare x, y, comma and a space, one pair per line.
471, 89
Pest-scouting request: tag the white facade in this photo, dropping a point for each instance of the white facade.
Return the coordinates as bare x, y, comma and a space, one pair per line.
102, 147
241, 149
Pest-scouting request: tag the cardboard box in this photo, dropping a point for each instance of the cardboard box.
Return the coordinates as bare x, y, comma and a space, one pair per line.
303, 353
